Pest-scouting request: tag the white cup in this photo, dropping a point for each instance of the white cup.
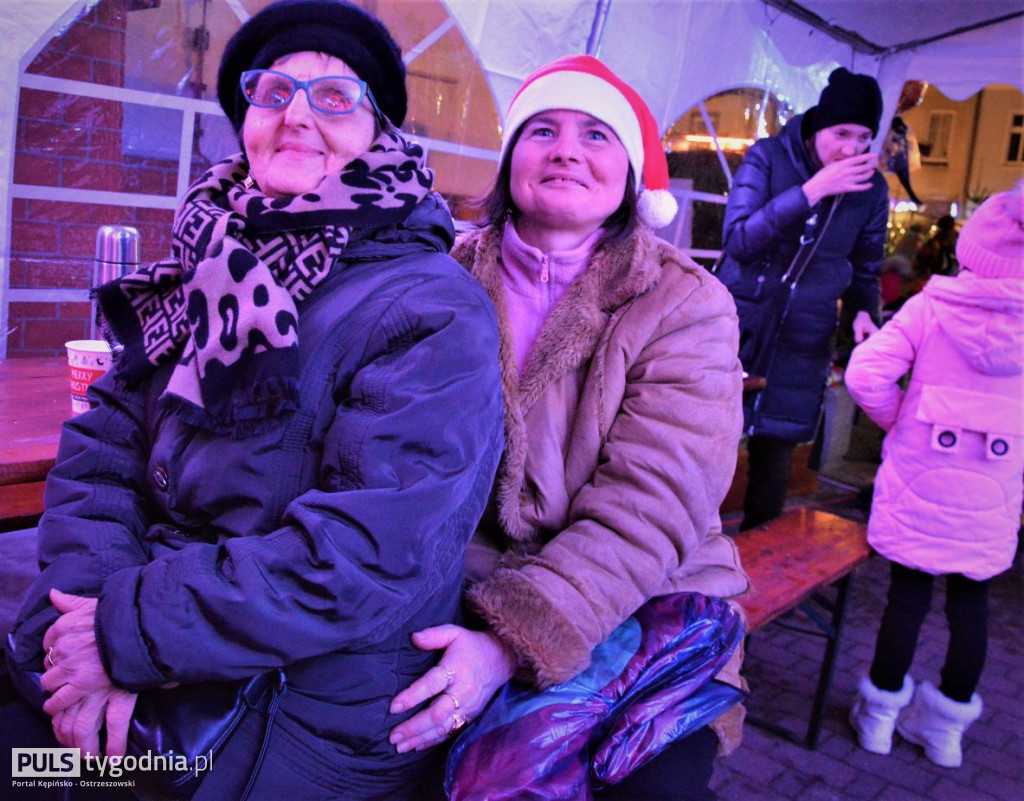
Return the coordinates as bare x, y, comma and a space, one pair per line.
88, 359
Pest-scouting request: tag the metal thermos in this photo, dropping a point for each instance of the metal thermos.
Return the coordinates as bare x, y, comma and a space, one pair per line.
117, 253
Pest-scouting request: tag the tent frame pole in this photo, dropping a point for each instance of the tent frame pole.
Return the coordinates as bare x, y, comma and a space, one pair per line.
714, 136
601, 9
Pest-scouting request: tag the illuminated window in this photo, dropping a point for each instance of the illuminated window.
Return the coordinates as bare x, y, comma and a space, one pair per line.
739, 117
936, 144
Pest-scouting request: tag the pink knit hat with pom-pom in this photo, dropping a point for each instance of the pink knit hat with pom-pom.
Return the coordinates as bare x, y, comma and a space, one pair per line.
583, 83
991, 242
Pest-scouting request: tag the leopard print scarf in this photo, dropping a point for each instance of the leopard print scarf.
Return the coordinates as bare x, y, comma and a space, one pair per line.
223, 307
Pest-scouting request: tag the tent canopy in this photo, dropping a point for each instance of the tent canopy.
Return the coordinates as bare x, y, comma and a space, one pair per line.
677, 52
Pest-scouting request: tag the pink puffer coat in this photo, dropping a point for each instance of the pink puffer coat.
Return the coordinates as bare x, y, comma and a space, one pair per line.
948, 494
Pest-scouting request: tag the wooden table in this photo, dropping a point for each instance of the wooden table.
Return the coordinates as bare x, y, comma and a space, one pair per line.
35, 399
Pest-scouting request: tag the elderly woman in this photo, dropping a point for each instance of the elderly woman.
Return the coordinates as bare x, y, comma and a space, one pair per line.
298, 439
622, 414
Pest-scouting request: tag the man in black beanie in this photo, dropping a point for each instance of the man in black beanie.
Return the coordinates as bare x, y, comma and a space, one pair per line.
805, 226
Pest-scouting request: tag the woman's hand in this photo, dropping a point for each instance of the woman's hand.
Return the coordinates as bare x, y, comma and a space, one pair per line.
73, 665
846, 175
82, 694
863, 327
474, 666
79, 725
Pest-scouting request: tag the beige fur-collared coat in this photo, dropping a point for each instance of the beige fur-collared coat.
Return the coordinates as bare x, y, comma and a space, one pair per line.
620, 444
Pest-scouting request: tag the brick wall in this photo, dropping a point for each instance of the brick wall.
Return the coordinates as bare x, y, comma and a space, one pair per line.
75, 142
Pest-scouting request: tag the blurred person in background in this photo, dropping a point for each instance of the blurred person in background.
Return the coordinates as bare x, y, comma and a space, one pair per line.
805, 225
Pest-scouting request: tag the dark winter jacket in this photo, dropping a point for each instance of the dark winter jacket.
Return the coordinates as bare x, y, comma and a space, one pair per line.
764, 220
319, 546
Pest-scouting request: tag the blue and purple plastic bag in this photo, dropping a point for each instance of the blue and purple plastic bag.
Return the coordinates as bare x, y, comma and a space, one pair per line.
651, 682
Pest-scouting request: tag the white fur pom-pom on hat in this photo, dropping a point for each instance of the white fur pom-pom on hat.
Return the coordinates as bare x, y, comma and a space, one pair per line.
583, 83
657, 207
991, 243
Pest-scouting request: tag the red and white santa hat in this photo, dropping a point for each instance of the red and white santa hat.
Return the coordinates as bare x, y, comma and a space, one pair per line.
582, 83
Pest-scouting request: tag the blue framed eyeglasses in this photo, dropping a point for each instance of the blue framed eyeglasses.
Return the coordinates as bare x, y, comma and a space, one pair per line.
331, 94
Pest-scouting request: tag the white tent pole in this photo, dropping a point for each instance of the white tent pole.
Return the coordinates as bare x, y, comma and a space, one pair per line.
916, 43
714, 135
428, 41
24, 29
762, 125
597, 29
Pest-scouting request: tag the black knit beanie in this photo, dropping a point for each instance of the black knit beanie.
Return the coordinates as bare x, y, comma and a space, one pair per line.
335, 27
848, 98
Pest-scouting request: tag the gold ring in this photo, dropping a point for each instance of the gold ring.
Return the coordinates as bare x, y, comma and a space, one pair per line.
49, 657
458, 721
449, 676
452, 696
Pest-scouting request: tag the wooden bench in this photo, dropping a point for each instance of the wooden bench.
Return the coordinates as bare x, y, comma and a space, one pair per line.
790, 561
21, 505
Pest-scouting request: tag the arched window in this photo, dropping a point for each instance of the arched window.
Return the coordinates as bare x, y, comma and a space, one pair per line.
705, 145
117, 114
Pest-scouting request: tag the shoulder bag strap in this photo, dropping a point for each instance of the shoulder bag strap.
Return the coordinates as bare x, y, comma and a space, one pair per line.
796, 270
812, 238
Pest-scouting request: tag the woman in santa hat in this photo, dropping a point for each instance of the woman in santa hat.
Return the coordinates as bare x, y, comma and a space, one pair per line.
622, 414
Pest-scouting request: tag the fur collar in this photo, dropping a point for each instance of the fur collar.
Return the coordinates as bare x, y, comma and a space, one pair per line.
569, 337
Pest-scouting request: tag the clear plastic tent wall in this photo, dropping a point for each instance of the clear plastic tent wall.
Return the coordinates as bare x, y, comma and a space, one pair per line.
112, 114
676, 52
109, 112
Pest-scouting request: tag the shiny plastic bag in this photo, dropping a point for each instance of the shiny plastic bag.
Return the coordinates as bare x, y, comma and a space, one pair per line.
648, 684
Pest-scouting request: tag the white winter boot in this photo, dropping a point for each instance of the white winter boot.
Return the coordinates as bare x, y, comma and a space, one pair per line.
937, 724
874, 712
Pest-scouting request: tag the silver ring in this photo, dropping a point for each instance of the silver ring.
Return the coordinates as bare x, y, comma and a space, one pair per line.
452, 696
449, 676
50, 660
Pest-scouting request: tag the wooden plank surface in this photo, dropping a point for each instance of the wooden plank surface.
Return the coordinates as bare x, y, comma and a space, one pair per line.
35, 399
791, 557
21, 505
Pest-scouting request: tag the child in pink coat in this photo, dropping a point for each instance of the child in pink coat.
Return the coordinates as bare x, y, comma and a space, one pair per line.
947, 498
